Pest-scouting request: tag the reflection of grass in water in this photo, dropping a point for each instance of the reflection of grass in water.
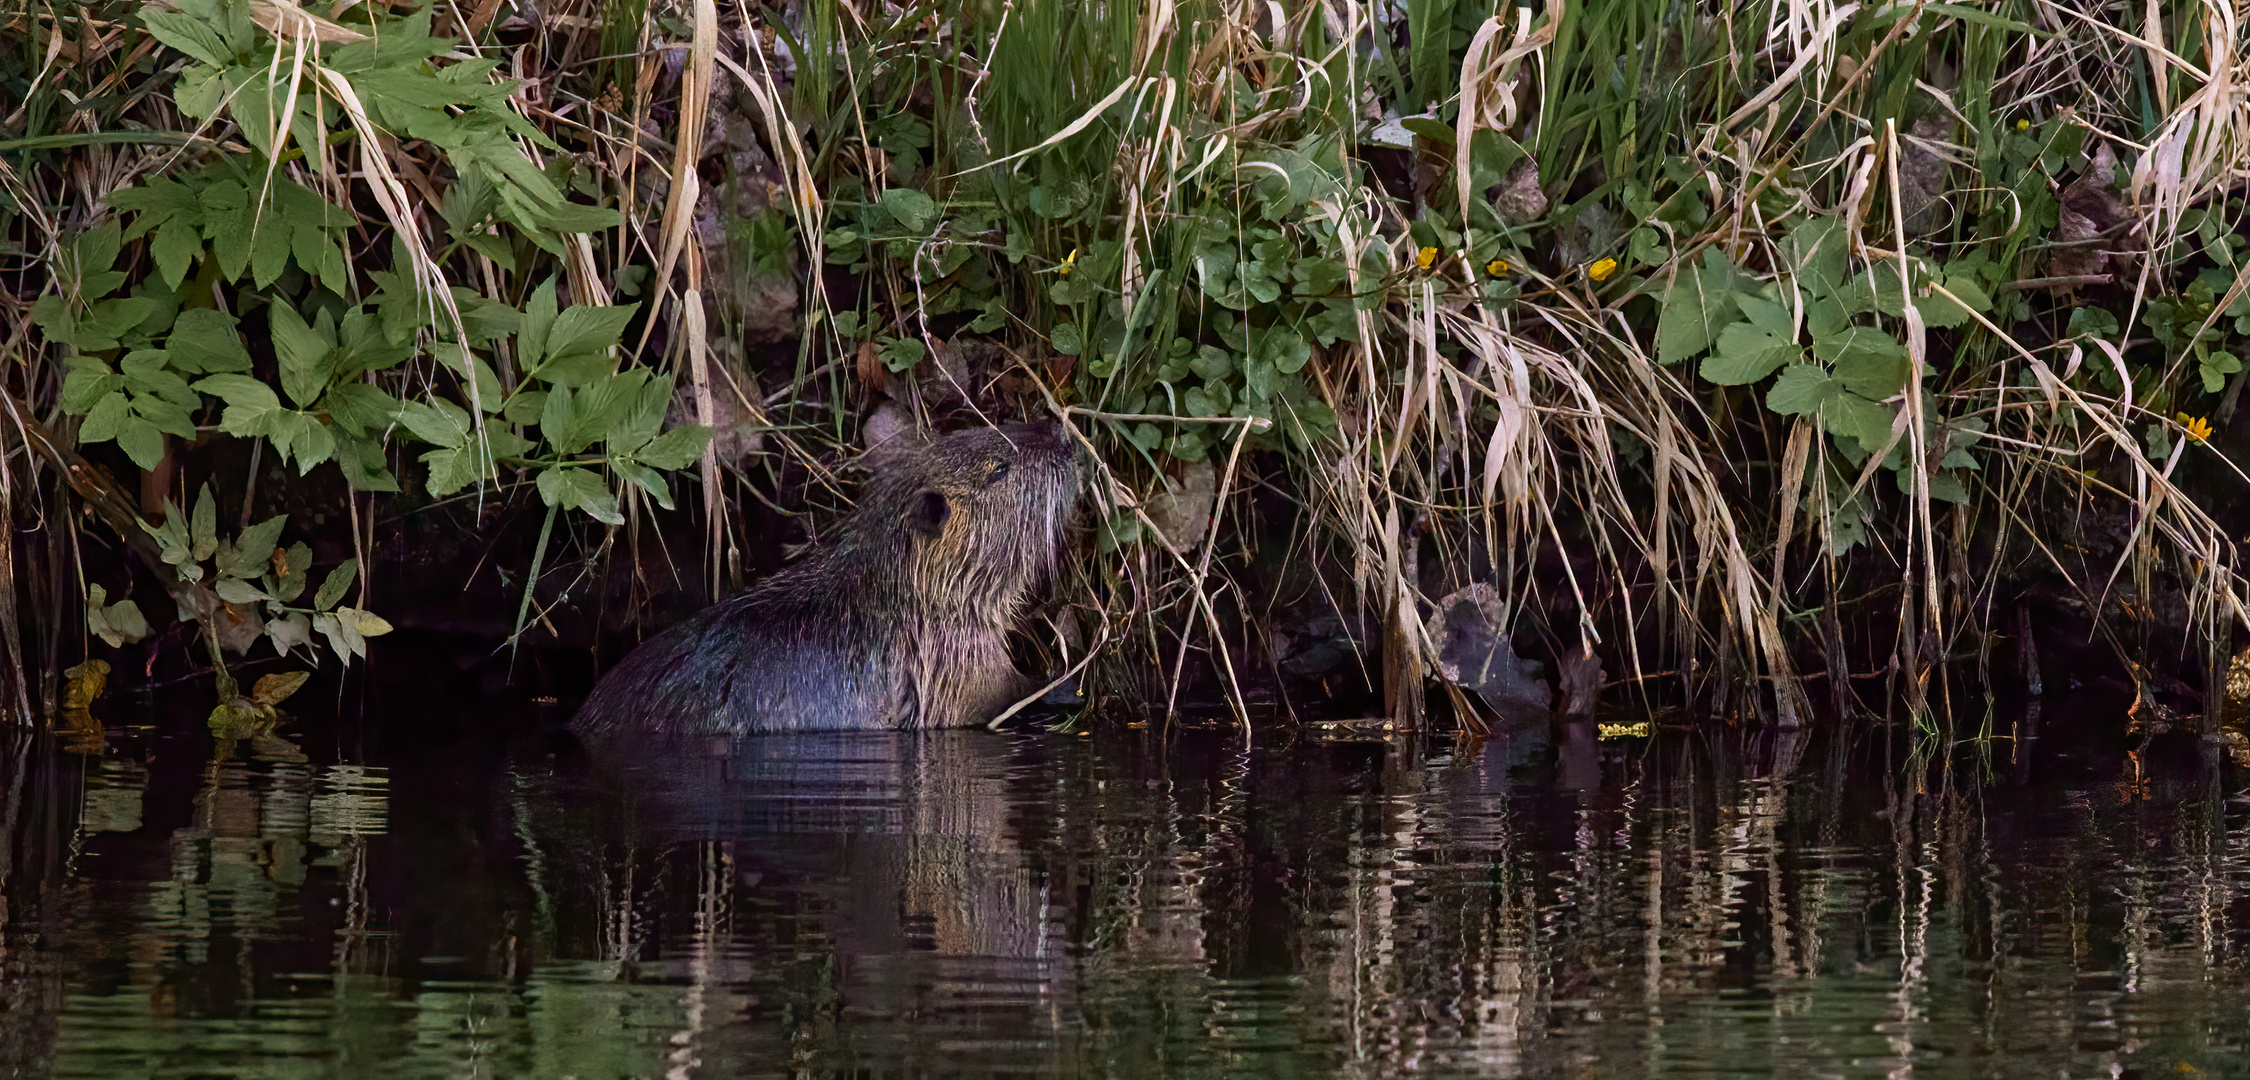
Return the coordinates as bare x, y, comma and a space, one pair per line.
1171, 907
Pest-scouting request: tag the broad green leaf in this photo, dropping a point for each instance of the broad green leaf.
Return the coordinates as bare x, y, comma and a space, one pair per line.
579, 489
1846, 413
104, 418
452, 470
236, 591
1815, 252
1943, 314
438, 422
252, 552
1745, 354
915, 211
1867, 361
205, 340
177, 243
676, 448
302, 352
89, 380
189, 35
359, 408
141, 441
1700, 303
1800, 390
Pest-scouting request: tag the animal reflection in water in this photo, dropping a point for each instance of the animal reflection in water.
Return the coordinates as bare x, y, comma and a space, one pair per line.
790, 873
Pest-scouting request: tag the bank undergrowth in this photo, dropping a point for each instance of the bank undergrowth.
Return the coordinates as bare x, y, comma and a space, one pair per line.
1731, 344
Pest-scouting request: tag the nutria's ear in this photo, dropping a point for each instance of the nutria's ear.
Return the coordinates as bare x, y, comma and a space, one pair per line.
926, 513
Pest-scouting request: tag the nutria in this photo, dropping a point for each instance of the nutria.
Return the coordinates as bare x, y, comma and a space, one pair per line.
900, 622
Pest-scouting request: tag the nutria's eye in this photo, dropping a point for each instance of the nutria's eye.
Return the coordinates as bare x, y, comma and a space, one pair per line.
999, 472
926, 513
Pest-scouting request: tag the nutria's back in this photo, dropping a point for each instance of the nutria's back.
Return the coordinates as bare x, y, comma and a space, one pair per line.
900, 622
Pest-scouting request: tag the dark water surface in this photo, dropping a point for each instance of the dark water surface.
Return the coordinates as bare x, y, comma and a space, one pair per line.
1123, 904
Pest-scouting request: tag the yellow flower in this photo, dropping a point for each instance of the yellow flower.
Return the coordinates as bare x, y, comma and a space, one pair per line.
1602, 269
1069, 263
1425, 258
2023, 125
1497, 267
2197, 427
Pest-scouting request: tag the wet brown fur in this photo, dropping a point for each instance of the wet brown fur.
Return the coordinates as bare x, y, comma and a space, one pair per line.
900, 622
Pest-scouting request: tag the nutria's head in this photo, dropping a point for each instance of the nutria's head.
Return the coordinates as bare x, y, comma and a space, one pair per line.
970, 522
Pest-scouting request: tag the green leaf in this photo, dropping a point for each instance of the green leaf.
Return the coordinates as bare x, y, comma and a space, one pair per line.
915, 211
452, 470
1700, 303
1943, 314
1815, 252
1800, 390
203, 527
302, 352
252, 552
359, 408
438, 422
1283, 348
89, 380
583, 332
676, 448
1745, 353
579, 489
235, 591
104, 418
1068, 339
177, 243
538, 316
189, 35
205, 340
332, 587
1869, 362
142, 442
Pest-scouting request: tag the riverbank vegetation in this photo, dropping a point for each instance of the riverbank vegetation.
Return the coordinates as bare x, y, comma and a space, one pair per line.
1792, 356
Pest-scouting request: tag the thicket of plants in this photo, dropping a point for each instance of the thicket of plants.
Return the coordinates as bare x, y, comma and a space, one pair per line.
1689, 333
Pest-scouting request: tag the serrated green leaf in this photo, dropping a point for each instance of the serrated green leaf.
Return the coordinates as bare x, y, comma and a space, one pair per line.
676, 448
189, 35
1745, 354
141, 441
104, 418
1700, 303
437, 422
302, 352
538, 316
1849, 414
1815, 253
177, 243
205, 340
579, 489
89, 380
1800, 390
583, 332
1867, 361
1943, 314
360, 408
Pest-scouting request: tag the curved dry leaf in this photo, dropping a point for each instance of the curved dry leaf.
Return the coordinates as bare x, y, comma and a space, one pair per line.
272, 690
